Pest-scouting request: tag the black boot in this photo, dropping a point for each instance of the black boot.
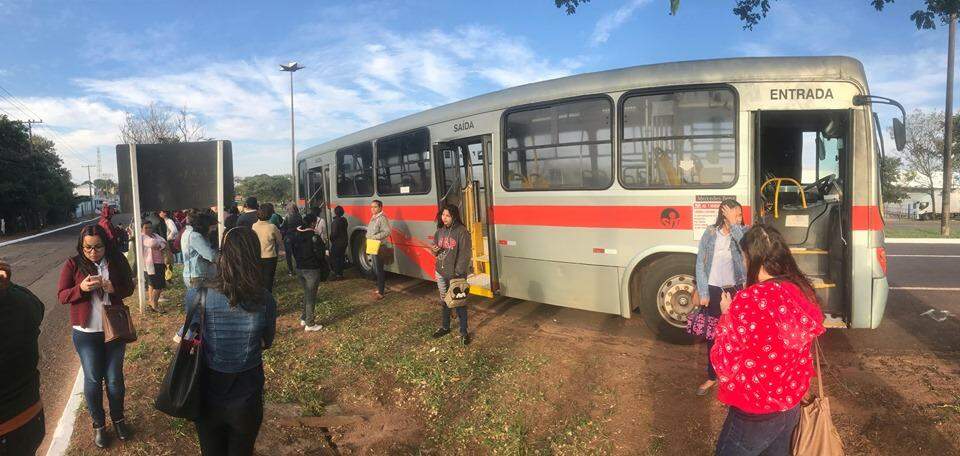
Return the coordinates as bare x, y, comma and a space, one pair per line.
465, 339
440, 333
100, 437
123, 432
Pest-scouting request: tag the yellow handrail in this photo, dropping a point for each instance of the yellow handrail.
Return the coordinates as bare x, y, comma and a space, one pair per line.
776, 196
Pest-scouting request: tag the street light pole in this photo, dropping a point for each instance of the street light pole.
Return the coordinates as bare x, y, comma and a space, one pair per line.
291, 68
948, 134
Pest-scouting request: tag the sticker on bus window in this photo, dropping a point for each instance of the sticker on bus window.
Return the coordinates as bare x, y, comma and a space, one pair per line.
404, 189
705, 210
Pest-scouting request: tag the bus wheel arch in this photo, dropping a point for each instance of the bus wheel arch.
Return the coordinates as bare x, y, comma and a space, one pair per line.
661, 289
358, 244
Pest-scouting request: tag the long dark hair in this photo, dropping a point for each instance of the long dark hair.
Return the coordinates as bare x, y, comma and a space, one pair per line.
729, 203
238, 269
454, 214
200, 220
119, 268
764, 246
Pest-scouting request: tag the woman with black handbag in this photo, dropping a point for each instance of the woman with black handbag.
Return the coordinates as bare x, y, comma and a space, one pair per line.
239, 322
98, 276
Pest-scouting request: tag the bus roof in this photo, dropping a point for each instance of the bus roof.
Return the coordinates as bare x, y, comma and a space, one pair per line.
745, 69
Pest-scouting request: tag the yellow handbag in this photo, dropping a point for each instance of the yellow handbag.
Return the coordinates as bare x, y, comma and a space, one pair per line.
373, 246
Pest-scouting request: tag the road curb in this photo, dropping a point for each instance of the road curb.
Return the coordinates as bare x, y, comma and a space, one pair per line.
61, 436
921, 241
44, 233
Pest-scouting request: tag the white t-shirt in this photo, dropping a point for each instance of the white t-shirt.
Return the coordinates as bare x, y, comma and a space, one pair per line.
171, 229
721, 270
97, 301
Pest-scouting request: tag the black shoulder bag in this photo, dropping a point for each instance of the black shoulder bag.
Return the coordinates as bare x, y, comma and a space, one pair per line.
179, 394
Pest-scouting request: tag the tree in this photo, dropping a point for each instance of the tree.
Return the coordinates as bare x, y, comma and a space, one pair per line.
105, 186
922, 157
266, 188
160, 124
36, 188
890, 180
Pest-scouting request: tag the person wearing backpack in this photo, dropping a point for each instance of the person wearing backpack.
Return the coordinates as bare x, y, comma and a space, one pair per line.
451, 245
309, 252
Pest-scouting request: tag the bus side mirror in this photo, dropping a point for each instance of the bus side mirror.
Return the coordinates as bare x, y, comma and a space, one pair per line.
899, 133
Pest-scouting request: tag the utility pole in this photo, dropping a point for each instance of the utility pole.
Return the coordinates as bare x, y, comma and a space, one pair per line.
30, 123
948, 133
90, 187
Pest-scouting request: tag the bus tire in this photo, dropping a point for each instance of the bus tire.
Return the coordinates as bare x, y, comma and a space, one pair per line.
360, 258
666, 296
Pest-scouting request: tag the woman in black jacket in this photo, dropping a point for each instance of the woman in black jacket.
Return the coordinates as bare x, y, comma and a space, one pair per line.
309, 252
338, 242
451, 246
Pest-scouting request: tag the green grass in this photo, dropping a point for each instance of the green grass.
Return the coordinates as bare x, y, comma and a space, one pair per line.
481, 399
920, 232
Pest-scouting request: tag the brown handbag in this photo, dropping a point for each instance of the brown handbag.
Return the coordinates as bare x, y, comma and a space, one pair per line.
117, 324
815, 433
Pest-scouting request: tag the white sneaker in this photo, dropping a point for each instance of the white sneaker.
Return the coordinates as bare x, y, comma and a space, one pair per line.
313, 328
163, 300
303, 323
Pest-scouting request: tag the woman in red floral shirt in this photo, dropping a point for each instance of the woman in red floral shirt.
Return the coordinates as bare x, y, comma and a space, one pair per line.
761, 351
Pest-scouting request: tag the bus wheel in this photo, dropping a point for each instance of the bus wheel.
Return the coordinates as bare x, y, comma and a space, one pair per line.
667, 296
360, 257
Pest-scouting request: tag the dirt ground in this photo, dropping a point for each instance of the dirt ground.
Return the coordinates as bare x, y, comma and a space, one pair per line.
538, 379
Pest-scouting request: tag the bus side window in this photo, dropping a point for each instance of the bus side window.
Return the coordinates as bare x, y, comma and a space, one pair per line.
678, 139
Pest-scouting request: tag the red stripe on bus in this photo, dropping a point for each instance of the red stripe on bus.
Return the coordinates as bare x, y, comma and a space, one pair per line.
866, 218
637, 217
419, 213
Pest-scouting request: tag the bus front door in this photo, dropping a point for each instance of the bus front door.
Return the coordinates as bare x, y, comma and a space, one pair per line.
462, 176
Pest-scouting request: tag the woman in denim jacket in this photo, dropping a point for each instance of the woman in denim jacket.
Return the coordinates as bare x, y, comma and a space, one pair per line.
719, 270
239, 323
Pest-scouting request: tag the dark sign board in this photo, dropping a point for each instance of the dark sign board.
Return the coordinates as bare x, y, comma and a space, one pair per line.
175, 176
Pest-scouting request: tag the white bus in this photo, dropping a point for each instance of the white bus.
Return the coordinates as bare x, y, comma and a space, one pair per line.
591, 191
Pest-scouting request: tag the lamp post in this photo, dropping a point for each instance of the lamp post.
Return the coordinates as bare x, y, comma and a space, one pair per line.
291, 68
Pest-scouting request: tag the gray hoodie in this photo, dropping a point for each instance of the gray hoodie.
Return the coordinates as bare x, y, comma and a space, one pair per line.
379, 227
453, 259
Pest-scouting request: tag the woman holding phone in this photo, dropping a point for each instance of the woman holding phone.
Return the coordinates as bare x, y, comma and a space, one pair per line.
97, 276
719, 269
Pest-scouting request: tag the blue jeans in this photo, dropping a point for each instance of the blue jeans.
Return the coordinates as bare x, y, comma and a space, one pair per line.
445, 313
101, 361
747, 434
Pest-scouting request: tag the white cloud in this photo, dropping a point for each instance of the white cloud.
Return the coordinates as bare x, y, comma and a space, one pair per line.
612, 21
358, 81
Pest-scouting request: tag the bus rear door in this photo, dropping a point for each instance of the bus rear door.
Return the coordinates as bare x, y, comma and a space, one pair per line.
463, 170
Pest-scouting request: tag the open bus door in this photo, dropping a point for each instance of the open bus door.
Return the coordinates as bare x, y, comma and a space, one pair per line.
318, 183
463, 171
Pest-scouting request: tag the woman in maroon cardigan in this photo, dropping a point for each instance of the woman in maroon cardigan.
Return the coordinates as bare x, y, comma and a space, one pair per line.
97, 276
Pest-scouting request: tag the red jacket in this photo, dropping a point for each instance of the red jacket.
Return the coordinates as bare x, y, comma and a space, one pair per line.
79, 300
761, 351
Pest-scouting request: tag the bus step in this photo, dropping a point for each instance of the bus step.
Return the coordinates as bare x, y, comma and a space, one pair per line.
806, 251
831, 321
813, 263
480, 285
821, 283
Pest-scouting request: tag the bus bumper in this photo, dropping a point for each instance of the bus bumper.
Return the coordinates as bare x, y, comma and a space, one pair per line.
880, 293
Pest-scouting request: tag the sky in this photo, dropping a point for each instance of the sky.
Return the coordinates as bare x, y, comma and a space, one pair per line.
80, 65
